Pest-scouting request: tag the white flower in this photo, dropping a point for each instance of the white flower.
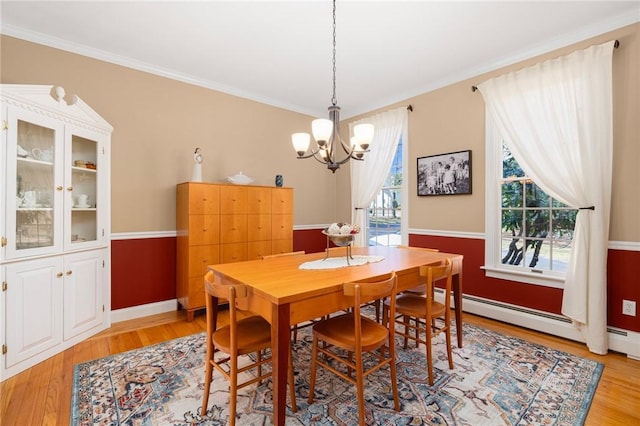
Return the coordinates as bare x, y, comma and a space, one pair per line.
334, 229
345, 230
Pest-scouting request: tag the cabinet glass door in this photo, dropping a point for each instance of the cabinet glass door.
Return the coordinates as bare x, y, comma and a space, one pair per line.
83, 166
34, 200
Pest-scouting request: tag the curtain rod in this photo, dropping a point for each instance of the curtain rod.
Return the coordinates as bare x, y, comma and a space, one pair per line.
616, 44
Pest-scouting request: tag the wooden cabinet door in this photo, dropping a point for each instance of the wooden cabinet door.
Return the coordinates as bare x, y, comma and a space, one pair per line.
257, 249
194, 298
282, 201
281, 246
233, 228
204, 198
33, 308
204, 229
259, 227
233, 199
259, 200
282, 226
202, 256
235, 252
83, 295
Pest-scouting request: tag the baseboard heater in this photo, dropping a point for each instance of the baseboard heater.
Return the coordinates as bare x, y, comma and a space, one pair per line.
624, 341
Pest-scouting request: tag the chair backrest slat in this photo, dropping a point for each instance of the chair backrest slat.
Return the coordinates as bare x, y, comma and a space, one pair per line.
369, 289
435, 273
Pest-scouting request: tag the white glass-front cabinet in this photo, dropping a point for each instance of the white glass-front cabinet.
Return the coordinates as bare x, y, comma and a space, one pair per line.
54, 224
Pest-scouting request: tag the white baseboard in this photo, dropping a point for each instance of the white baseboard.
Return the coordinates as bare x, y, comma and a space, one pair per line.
140, 311
623, 341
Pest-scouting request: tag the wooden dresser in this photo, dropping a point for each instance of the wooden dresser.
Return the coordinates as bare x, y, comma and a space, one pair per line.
219, 223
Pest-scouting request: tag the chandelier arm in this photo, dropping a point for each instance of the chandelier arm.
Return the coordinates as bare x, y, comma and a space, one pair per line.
313, 154
346, 148
347, 158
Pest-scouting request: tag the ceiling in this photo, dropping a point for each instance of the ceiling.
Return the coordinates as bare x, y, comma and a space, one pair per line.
280, 52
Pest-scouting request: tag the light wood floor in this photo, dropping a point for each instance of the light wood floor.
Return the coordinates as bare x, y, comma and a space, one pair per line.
42, 394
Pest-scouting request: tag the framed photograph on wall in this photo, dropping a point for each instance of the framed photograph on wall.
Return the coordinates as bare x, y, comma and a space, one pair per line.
445, 174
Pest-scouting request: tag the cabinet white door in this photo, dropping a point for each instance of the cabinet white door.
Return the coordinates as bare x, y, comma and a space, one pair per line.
85, 190
33, 195
83, 292
33, 308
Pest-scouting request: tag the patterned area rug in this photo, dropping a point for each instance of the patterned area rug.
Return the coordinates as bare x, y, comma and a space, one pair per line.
496, 380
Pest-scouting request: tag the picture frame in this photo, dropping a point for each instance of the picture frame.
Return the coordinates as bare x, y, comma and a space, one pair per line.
445, 174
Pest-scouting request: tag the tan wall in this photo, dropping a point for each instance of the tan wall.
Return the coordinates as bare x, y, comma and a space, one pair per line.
453, 119
157, 124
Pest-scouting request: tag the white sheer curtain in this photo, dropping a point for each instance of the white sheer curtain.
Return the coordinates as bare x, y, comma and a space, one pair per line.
368, 176
556, 119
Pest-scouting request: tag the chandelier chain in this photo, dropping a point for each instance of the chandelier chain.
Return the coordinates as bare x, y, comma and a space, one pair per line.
327, 132
334, 100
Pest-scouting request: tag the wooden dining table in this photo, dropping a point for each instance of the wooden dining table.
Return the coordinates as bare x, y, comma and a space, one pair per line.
284, 294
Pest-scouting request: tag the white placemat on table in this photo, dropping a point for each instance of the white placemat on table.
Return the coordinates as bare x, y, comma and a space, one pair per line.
340, 262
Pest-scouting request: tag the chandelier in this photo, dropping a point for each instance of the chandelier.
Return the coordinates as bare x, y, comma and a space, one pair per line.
326, 132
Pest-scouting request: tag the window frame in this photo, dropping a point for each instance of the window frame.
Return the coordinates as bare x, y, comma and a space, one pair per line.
404, 194
493, 222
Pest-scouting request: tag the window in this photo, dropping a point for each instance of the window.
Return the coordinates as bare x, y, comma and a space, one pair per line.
385, 218
529, 233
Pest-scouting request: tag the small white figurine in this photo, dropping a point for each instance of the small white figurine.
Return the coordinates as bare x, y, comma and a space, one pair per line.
197, 166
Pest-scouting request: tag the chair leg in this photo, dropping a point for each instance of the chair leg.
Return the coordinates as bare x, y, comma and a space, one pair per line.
233, 390
207, 387
394, 379
429, 356
312, 377
259, 355
292, 384
360, 389
405, 319
449, 354
295, 333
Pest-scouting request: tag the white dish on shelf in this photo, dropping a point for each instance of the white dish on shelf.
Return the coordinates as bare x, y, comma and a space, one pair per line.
82, 206
240, 179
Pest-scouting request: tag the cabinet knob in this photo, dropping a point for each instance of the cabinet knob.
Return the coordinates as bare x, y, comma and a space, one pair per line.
69, 188
59, 188
59, 274
69, 272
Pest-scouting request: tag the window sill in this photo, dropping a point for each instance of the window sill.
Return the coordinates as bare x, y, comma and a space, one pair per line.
525, 277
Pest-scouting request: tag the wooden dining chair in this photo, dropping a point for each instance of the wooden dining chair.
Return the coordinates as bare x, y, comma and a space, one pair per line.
375, 303
430, 317
418, 289
359, 336
421, 286
246, 333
